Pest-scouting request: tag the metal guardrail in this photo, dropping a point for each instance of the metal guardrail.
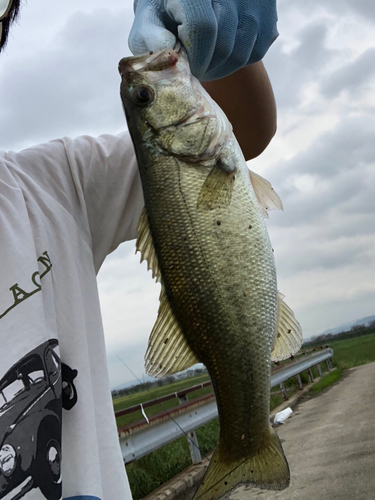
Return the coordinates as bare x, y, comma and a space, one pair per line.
143, 437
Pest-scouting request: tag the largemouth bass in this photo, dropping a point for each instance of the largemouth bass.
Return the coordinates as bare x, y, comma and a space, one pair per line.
203, 235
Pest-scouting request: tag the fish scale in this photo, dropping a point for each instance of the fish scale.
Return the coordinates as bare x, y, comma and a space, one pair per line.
215, 260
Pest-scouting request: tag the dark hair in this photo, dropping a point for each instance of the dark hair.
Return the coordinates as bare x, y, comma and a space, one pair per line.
7, 22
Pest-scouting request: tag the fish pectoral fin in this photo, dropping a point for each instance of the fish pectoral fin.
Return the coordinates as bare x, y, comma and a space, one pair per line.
267, 198
167, 351
288, 338
266, 468
216, 191
145, 245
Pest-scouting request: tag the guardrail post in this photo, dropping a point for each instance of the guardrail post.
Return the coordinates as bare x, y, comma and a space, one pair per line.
311, 376
299, 382
192, 439
319, 370
283, 390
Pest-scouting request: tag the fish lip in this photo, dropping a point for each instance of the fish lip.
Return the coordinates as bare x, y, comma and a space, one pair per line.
157, 61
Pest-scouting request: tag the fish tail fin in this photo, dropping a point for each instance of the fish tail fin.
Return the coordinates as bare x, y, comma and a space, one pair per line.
267, 468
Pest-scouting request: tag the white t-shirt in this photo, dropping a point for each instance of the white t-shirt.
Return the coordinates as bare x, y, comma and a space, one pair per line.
64, 206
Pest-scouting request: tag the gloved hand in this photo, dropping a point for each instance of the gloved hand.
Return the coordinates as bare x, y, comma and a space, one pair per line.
220, 36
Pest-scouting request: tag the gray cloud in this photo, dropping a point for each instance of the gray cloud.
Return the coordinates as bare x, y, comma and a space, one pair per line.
352, 76
69, 86
291, 72
364, 8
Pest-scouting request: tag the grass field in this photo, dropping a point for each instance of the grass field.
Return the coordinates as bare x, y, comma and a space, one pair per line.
150, 472
157, 392
354, 352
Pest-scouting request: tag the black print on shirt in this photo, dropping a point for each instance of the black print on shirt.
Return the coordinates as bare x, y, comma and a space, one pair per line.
19, 295
69, 391
31, 400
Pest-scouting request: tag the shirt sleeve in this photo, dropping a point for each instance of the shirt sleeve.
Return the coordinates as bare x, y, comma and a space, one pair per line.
96, 180
106, 170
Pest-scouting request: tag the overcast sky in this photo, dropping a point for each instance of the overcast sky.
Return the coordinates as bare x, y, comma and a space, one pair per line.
59, 78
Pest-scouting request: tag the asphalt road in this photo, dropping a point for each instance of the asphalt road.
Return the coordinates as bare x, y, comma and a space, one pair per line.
330, 444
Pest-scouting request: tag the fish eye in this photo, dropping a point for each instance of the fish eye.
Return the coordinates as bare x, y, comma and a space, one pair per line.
143, 95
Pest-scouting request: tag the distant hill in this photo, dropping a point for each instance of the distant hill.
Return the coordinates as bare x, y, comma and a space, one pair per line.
344, 327
130, 383
347, 326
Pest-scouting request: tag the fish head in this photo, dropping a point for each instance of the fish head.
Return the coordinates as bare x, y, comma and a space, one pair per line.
157, 88
166, 105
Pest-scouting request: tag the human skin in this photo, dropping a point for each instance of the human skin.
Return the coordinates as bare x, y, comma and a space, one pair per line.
247, 99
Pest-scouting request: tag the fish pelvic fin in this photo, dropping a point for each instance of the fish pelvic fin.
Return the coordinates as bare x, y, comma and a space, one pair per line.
267, 468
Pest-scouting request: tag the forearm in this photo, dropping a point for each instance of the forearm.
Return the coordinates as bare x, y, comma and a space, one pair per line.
247, 99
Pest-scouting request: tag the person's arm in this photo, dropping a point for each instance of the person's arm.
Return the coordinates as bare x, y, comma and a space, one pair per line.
246, 97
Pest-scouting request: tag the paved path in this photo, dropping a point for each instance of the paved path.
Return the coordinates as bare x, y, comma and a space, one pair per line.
330, 444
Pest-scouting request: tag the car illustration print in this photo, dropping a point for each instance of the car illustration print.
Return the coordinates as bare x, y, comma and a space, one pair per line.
30, 424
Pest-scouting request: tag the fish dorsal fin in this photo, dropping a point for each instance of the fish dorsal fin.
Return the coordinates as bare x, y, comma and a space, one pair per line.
267, 198
216, 191
288, 339
145, 245
167, 351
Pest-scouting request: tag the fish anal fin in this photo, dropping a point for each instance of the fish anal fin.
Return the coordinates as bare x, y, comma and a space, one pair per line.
167, 352
288, 338
216, 191
266, 468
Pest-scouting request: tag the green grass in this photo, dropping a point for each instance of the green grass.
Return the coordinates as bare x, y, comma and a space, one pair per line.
148, 473
326, 380
354, 352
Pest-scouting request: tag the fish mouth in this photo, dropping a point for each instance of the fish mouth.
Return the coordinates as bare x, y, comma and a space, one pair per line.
158, 61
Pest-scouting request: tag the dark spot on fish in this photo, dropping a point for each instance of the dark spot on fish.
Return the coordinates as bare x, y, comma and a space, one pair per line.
278, 335
218, 223
250, 226
165, 341
289, 331
225, 482
151, 52
244, 294
252, 471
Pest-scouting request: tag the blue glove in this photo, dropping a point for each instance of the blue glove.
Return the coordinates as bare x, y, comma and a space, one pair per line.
220, 36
